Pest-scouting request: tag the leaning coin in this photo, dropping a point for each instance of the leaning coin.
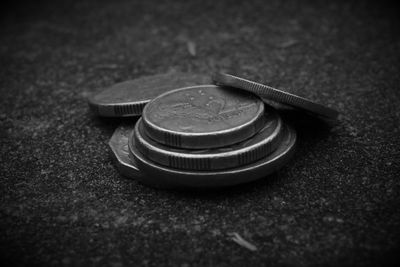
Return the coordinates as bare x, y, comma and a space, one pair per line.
129, 98
245, 152
125, 163
206, 116
274, 94
228, 177
120, 151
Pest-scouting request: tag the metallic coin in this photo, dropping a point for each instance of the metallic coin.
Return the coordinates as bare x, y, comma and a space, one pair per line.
245, 152
119, 146
205, 116
185, 178
129, 98
274, 94
125, 162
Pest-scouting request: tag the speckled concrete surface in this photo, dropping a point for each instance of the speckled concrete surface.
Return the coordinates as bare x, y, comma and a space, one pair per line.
64, 203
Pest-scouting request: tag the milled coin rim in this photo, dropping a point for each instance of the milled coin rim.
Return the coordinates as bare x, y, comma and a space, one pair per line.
108, 110
274, 94
229, 177
185, 159
130, 108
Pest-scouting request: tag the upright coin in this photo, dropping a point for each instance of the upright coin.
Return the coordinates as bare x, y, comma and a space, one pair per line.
274, 94
126, 163
206, 116
228, 177
119, 146
129, 98
258, 146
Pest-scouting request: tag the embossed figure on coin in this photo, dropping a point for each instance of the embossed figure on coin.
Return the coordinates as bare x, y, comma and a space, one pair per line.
204, 116
204, 109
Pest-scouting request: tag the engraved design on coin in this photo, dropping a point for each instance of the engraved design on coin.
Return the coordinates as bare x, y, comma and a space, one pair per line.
202, 109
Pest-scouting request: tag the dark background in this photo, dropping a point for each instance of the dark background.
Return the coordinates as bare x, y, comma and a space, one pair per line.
64, 203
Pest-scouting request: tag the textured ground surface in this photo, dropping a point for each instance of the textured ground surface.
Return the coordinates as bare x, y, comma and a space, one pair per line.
64, 203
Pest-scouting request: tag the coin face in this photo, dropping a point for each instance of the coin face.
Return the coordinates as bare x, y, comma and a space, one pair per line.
274, 94
227, 177
203, 117
129, 98
258, 146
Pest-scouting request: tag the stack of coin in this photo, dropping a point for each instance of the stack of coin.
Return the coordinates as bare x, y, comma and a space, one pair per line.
202, 135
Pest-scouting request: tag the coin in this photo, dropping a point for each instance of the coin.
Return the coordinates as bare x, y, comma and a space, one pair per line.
245, 152
233, 176
274, 94
119, 146
129, 98
125, 162
205, 116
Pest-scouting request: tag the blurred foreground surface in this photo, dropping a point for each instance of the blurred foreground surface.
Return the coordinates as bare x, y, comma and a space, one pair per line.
64, 203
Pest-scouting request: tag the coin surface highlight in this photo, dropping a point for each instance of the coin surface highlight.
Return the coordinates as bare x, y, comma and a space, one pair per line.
245, 152
205, 116
274, 94
129, 98
185, 178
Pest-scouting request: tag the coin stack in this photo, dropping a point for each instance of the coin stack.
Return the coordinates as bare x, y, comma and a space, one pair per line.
201, 135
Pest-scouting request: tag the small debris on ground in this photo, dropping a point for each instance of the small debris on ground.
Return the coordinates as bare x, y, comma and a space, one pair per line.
191, 46
240, 241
